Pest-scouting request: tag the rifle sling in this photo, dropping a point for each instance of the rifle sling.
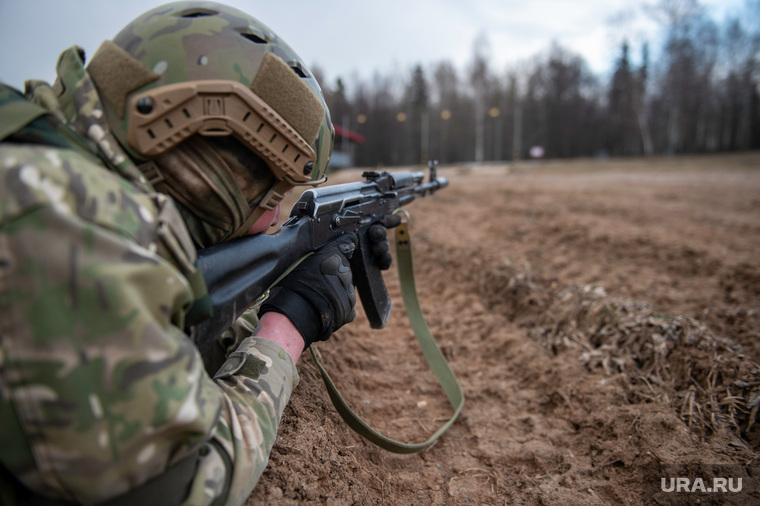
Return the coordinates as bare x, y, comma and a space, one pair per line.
433, 355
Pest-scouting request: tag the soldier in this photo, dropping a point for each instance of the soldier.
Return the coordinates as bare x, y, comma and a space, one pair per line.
183, 131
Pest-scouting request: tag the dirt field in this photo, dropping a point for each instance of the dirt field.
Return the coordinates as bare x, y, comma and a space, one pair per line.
602, 318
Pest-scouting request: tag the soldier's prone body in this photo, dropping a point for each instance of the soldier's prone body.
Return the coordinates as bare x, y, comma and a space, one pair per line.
183, 131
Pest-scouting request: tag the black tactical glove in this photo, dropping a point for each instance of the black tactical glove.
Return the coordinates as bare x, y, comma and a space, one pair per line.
318, 296
379, 241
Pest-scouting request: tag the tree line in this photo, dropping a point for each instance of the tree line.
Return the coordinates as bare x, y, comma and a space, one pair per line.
700, 94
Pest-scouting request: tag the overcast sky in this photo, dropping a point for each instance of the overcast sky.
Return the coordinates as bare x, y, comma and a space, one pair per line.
350, 38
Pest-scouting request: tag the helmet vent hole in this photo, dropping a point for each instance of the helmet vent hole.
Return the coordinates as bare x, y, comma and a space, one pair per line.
299, 71
254, 38
199, 13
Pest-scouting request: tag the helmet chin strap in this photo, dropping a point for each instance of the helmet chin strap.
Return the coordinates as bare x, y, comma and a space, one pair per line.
256, 213
270, 200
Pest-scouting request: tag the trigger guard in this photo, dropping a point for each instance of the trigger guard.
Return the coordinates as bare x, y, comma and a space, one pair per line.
404, 213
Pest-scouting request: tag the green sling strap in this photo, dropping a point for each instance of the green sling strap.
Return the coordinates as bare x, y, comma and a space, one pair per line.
433, 355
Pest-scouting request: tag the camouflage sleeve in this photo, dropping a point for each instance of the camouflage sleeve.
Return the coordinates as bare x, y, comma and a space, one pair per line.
257, 381
100, 390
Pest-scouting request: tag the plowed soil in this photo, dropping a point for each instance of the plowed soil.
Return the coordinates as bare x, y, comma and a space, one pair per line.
602, 319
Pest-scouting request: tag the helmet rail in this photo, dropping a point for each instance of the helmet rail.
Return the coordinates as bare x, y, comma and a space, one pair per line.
161, 118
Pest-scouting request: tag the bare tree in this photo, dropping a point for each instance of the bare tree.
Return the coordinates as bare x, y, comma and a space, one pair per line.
416, 100
699, 93
679, 18
479, 80
447, 114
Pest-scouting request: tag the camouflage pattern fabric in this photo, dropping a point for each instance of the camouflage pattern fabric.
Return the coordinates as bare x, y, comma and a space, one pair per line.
100, 389
74, 98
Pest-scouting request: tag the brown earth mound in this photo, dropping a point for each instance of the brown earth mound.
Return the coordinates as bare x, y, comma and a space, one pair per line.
602, 318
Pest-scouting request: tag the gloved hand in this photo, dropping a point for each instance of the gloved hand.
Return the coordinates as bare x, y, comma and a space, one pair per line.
318, 296
379, 241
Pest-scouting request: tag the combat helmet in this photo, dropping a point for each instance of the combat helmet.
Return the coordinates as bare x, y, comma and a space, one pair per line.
216, 110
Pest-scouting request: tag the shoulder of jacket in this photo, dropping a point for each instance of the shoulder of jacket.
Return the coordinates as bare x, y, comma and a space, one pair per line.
35, 176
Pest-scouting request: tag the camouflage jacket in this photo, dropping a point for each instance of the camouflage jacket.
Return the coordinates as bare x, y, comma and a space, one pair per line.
100, 389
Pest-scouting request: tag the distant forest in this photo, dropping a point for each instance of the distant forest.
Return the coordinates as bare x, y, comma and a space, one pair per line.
699, 94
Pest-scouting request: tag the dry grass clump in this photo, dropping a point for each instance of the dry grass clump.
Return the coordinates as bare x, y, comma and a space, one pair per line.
705, 377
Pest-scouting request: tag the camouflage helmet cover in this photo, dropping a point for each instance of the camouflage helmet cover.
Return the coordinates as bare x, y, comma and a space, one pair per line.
194, 41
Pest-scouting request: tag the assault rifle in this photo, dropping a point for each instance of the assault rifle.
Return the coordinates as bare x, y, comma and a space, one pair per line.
238, 272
